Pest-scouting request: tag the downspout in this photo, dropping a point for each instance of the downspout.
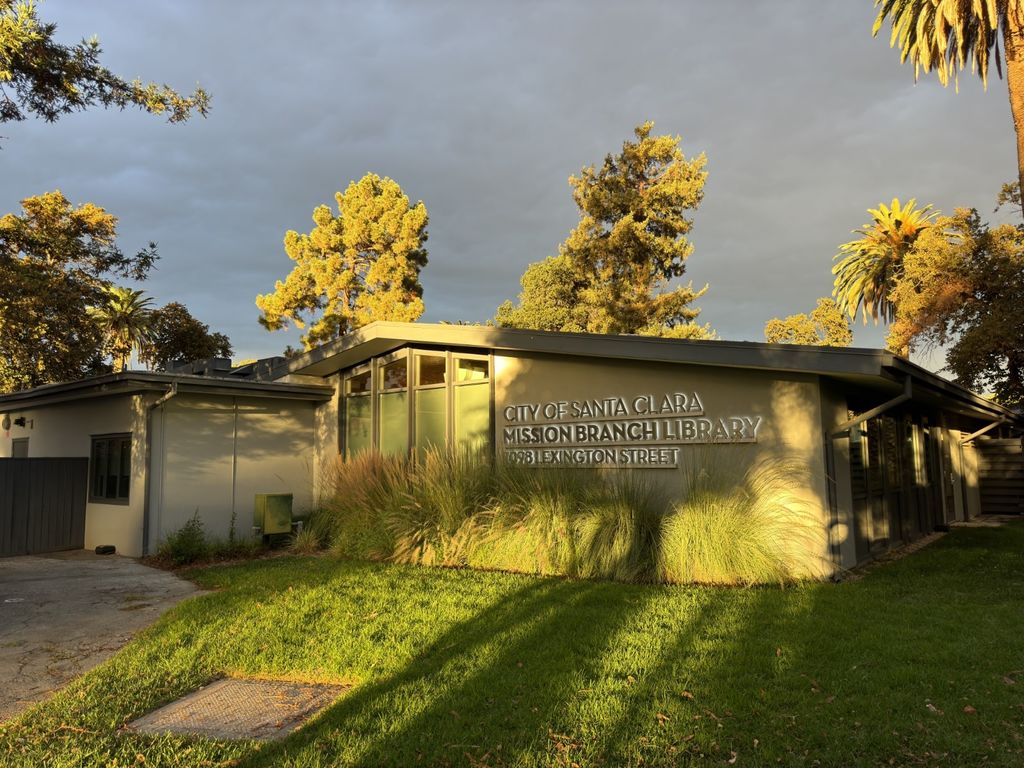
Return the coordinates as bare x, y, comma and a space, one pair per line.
171, 392
234, 463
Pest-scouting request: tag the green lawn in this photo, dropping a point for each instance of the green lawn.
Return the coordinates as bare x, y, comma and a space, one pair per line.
920, 662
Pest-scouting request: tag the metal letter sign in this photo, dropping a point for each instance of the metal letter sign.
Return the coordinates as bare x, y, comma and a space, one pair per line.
642, 431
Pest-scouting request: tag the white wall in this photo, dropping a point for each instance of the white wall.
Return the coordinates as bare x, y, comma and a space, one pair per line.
211, 456
66, 429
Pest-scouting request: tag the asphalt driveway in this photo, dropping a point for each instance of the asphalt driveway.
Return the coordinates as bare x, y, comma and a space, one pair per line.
64, 613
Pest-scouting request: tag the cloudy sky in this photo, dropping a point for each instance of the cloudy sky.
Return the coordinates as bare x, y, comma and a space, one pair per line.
482, 110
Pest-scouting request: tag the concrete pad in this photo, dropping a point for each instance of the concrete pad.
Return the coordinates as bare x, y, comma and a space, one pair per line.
241, 709
987, 521
62, 614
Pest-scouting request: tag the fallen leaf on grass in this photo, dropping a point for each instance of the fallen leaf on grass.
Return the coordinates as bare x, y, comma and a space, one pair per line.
687, 695
969, 710
662, 718
932, 708
732, 758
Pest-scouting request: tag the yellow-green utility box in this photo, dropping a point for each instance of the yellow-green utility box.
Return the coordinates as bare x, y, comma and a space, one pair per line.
273, 513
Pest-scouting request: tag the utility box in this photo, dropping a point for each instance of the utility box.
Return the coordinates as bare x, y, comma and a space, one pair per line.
273, 513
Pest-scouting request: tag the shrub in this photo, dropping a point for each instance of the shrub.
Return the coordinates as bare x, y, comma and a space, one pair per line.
438, 520
360, 492
220, 549
618, 532
529, 524
734, 525
305, 542
187, 544
739, 527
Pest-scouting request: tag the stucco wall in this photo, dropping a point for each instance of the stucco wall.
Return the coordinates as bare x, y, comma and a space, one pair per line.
66, 429
327, 433
842, 531
971, 480
788, 406
213, 455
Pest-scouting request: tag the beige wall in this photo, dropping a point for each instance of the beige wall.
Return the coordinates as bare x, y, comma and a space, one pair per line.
971, 481
213, 455
787, 404
66, 430
956, 456
842, 531
327, 433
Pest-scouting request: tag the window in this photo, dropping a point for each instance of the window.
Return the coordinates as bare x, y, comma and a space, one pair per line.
472, 402
412, 400
110, 469
393, 405
431, 397
358, 416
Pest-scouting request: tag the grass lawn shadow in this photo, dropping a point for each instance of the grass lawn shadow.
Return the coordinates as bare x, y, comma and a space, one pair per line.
486, 690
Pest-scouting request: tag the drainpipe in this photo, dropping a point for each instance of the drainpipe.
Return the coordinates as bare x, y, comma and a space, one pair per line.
234, 461
172, 390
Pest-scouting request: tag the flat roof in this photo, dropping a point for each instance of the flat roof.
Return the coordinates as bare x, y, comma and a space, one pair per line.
381, 337
130, 382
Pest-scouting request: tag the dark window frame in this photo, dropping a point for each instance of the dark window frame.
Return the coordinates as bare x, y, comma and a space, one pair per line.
115, 444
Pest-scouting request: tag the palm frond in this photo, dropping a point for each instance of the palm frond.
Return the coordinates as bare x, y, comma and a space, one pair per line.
946, 35
869, 265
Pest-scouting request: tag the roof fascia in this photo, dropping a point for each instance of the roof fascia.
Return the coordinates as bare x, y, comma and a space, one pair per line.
381, 337
124, 384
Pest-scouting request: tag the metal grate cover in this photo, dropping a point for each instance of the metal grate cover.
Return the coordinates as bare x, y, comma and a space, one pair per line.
241, 709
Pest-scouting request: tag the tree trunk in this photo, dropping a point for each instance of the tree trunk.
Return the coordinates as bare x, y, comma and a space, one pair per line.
1013, 47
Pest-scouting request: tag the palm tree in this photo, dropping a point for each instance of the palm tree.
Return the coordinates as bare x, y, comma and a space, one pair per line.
124, 322
871, 263
946, 35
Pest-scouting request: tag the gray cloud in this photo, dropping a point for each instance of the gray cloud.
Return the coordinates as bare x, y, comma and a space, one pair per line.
482, 110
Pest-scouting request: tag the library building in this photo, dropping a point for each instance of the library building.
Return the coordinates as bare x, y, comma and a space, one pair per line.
889, 451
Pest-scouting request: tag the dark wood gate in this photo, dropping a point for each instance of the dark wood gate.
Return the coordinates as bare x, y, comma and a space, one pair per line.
1001, 476
42, 505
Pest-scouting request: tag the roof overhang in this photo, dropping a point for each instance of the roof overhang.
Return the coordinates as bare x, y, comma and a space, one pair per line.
134, 382
851, 363
383, 337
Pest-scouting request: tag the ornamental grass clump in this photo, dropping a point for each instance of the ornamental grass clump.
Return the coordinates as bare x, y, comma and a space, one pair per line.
617, 534
360, 494
438, 521
739, 526
734, 525
529, 526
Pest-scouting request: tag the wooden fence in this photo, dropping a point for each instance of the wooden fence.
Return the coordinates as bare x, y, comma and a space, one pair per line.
42, 505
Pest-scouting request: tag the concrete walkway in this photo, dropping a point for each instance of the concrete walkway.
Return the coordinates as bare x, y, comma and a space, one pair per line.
64, 613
